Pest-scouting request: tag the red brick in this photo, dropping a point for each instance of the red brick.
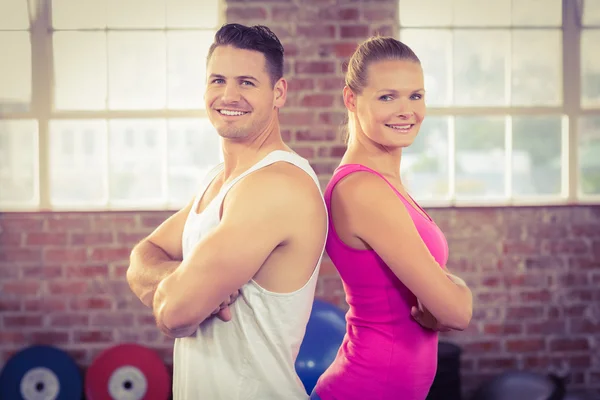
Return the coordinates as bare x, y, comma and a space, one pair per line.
64, 223
46, 239
585, 230
525, 345
21, 224
9, 305
298, 84
243, 13
332, 83
317, 100
146, 319
377, 14
23, 321
10, 238
69, 320
94, 336
108, 254
536, 296
130, 239
91, 238
49, 338
87, 271
568, 246
45, 304
522, 247
22, 288
354, 31
315, 67
571, 344
584, 326
315, 31
315, 135
65, 255
67, 287
500, 363
296, 118
91, 303
152, 221
112, 319
42, 272
482, 346
306, 152
284, 13
12, 337
103, 222
502, 329
383, 30
9, 271
550, 327
524, 312
16, 255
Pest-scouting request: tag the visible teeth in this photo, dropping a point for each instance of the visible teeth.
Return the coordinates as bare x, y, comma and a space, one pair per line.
228, 112
400, 127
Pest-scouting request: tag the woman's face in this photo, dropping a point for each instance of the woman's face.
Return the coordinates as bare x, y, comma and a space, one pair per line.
391, 107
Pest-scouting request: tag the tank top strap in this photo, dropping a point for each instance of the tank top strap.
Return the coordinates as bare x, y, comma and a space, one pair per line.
206, 181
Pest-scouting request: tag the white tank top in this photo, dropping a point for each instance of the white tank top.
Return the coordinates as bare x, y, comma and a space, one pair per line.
252, 356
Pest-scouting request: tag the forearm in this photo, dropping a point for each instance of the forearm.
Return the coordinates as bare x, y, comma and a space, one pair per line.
149, 265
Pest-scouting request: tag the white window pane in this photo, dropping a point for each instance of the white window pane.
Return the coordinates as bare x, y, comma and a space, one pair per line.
537, 75
194, 148
193, 13
78, 14
78, 162
424, 13
537, 12
425, 163
591, 13
15, 79
18, 162
80, 71
136, 161
137, 70
14, 14
136, 13
479, 69
480, 157
434, 49
187, 68
589, 151
537, 155
590, 68
482, 13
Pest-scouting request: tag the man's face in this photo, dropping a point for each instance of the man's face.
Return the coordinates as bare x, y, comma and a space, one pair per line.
240, 98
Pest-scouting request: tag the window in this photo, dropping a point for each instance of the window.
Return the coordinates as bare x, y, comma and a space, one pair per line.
101, 103
513, 95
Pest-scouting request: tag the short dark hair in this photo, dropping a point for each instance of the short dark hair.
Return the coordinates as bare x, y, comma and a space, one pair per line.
258, 38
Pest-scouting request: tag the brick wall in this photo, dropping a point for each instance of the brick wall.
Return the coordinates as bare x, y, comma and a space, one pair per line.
534, 271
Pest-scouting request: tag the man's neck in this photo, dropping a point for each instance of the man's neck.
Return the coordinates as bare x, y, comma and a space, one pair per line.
239, 155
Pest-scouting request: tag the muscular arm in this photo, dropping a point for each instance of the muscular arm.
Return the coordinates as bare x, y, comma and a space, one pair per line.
394, 237
156, 257
252, 226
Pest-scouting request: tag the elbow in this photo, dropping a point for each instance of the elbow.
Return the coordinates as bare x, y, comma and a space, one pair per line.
461, 319
172, 317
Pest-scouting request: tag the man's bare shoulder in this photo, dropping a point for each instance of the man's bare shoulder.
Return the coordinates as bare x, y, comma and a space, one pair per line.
281, 185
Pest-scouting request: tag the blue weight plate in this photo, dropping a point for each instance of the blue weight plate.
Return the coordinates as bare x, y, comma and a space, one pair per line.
40, 373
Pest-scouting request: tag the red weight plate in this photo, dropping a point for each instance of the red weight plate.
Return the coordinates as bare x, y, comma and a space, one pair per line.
127, 372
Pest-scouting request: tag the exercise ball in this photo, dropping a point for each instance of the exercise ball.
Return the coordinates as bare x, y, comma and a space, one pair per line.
521, 385
324, 334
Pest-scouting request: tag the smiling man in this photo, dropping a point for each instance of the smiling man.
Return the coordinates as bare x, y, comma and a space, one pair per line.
257, 226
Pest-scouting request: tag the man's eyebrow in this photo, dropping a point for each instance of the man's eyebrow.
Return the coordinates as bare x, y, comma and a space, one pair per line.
241, 77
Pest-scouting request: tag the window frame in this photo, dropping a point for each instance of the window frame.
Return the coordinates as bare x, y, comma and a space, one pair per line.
42, 111
570, 112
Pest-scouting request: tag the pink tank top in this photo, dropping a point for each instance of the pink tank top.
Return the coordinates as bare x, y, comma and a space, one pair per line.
385, 354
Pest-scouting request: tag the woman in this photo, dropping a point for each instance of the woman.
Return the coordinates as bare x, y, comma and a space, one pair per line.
390, 254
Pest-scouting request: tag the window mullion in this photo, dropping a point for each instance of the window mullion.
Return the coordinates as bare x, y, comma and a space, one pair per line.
41, 96
572, 91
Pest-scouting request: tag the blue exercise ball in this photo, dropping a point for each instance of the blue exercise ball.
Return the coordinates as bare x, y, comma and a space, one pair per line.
324, 334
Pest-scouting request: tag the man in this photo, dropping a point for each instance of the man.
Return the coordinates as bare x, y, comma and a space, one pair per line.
258, 224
